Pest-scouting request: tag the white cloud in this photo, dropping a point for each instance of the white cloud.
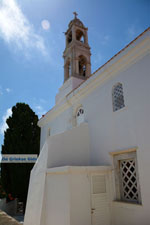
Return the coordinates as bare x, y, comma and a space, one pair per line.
45, 24
8, 90
43, 100
98, 58
132, 31
15, 28
105, 39
40, 110
38, 107
4, 126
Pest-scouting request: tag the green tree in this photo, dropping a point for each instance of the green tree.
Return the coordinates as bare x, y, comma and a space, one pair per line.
2, 192
21, 137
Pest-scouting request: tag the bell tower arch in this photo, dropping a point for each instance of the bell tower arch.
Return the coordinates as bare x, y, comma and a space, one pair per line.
77, 57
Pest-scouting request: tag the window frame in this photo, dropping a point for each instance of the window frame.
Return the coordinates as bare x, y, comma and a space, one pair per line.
125, 155
81, 115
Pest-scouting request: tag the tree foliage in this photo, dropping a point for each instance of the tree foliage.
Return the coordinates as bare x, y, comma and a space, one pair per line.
21, 137
2, 192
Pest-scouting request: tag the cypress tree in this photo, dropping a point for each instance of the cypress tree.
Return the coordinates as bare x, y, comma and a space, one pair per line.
21, 137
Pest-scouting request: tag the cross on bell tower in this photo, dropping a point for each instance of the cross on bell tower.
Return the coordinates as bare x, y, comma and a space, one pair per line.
77, 62
75, 15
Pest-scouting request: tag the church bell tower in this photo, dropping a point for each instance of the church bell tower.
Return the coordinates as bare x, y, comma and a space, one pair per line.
77, 62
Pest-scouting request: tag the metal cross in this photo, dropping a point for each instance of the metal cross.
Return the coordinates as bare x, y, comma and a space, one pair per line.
75, 14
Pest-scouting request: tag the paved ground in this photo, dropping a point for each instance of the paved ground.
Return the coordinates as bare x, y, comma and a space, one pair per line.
7, 220
19, 218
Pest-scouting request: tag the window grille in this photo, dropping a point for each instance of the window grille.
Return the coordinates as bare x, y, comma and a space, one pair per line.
127, 177
117, 97
129, 190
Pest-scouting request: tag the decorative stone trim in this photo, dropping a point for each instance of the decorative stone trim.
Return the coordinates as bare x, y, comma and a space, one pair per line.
123, 151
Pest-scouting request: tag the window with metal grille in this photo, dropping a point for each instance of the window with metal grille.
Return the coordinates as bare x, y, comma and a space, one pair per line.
126, 177
117, 97
128, 182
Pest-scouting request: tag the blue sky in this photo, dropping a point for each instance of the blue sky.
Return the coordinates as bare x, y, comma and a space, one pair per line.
32, 44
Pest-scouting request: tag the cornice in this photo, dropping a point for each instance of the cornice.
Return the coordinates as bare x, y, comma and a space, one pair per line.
91, 170
76, 44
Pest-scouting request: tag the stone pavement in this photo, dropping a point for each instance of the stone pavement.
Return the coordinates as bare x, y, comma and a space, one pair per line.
7, 220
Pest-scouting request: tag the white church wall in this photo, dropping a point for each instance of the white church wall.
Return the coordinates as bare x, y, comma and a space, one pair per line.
69, 148
57, 203
68, 194
118, 126
126, 213
68, 86
111, 131
123, 129
80, 199
35, 200
56, 126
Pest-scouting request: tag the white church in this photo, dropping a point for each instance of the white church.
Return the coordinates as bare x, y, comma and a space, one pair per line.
94, 163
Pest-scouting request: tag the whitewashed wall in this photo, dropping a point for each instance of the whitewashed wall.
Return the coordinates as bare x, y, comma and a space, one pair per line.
80, 211
111, 131
36, 192
58, 125
69, 148
50, 195
57, 199
68, 195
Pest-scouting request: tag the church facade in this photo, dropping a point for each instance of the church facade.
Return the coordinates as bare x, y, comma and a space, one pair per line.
93, 168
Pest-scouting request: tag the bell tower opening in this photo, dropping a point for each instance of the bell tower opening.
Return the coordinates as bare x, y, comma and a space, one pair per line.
69, 40
80, 36
82, 66
67, 69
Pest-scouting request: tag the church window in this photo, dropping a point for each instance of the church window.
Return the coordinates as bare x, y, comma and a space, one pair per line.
80, 116
117, 97
80, 36
127, 177
82, 66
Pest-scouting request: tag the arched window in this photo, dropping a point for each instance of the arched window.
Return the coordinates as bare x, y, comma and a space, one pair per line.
80, 116
117, 97
79, 36
82, 66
